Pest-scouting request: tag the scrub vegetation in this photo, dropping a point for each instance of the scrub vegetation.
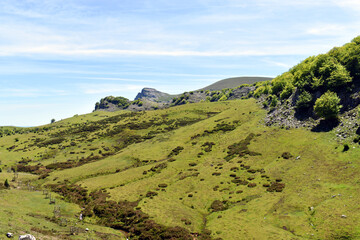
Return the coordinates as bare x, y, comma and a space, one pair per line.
205, 170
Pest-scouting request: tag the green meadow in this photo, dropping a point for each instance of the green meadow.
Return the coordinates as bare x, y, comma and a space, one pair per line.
212, 169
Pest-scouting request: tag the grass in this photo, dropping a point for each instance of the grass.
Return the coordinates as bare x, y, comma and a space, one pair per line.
314, 175
234, 82
25, 211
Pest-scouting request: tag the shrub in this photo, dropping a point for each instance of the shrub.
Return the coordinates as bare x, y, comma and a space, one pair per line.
217, 206
327, 106
276, 187
280, 82
304, 100
6, 184
346, 147
274, 101
286, 155
288, 90
223, 98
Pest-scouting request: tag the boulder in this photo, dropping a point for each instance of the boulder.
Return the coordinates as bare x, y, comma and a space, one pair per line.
27, 237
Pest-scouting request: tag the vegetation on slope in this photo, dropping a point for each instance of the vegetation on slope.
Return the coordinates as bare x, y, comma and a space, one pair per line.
336, 72
207, 170
204, 170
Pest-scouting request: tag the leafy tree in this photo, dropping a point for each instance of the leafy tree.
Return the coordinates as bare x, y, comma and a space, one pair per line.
288, 90
322, 71
53, 120
349, 56
327, 106
304, 100
279, 83
338, 77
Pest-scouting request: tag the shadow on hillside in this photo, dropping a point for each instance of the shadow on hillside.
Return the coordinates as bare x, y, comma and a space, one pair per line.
326, 125
302, 114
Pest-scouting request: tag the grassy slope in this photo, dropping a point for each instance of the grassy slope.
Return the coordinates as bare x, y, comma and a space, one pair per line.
321, 172
24, 211
234, 82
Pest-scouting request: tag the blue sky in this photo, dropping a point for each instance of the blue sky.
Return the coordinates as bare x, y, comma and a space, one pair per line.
59, 57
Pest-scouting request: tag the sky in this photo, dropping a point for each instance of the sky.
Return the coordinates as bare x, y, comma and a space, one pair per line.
59, 57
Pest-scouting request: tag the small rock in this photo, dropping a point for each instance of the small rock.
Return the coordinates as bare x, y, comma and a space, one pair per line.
9, 235
297, 158
86, 229
311, 208
343, 216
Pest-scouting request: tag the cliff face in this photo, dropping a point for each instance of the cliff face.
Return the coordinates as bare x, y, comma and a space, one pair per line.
152, 95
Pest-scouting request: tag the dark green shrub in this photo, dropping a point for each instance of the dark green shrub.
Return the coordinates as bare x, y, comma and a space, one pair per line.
217, 206
6, 184
327, 106
276, 187
304, 100
286, 155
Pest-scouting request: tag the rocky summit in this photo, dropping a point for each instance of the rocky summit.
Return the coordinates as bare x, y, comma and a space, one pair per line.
152, 95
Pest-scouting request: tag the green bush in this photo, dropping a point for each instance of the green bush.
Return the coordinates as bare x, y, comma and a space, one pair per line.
323, 71
274, 101
279, 83
6, 184
304, 100
327, 106
223, 98
287, 91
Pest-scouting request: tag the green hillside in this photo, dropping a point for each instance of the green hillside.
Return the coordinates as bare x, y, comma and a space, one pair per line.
275, 160
234, 82
207, 169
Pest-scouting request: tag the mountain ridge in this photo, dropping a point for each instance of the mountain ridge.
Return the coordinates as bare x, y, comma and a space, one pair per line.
151, 99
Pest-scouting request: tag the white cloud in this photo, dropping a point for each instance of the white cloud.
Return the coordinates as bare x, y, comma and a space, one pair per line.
327, 29
353, 5
117, 79
30, 92
110, 88
279, 64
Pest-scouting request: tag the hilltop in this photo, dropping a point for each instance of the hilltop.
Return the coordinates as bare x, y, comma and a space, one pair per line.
234, 82
257, 161
152, 99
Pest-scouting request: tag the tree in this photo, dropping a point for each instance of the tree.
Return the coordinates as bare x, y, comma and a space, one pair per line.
327, 106
338, 77
53, 120
304, 100
279, 83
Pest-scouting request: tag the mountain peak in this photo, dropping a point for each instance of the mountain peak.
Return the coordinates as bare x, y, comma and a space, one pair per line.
151, 94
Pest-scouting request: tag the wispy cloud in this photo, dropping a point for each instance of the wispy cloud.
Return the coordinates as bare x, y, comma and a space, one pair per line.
109, 88
353, 5
279, 64
117, 79
30, 92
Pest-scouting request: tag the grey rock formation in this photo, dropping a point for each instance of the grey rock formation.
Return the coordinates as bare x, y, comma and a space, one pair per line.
152, 95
